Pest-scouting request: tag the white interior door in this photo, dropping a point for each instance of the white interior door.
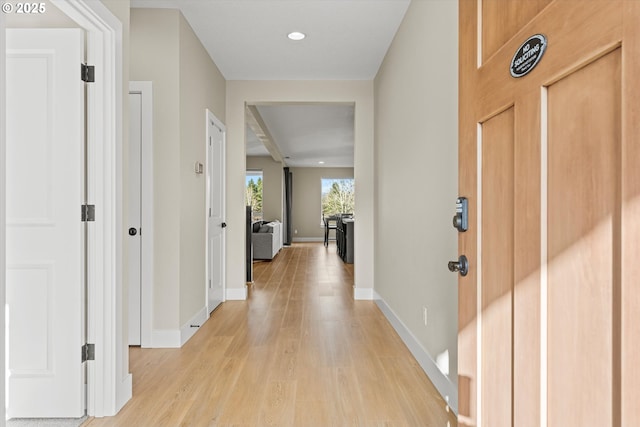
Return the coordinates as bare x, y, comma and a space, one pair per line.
215, 219
134, 215
140, 213
45, 238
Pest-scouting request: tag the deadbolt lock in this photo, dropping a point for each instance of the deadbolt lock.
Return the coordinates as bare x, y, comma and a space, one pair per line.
461, 218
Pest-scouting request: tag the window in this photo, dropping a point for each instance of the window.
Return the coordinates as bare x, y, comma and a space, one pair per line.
337, 196
253, 193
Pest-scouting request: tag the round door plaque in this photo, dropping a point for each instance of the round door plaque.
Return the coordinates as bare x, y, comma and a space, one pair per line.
528, 55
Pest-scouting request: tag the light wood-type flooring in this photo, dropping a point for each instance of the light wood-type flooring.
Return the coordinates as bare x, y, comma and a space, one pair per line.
299, 352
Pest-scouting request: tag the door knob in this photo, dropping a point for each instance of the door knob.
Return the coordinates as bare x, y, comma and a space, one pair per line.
133, 231
461, 266
223, 225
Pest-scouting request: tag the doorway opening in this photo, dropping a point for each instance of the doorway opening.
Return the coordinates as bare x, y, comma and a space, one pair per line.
310, 141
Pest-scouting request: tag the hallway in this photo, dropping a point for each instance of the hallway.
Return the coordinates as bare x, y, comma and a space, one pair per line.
299, 352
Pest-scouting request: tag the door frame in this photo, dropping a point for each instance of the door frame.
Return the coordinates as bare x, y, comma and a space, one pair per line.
145, 89
109, 384
3, 244
210, 116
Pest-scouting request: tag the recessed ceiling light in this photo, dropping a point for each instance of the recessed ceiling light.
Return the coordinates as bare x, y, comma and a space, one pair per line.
321, 162
296, 36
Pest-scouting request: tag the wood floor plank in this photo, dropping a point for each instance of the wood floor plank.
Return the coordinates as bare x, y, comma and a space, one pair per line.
299, 352
313, 413
349, 406
278, 406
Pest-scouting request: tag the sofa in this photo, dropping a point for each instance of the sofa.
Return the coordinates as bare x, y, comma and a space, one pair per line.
266, 239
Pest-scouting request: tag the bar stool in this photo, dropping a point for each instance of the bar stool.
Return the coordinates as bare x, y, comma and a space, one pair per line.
327, 227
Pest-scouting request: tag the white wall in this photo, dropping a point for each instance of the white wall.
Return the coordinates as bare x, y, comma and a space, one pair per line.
155, 57
272, 185
240, 93
201, 86
164, 50
416, 176
307, 203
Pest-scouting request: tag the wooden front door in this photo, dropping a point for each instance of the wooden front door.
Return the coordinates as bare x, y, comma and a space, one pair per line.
549, 314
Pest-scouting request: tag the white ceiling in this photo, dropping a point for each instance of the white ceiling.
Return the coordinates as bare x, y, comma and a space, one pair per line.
304, 137
247, 39
255, 147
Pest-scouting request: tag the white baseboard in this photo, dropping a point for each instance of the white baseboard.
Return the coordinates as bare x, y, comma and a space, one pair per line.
165, 338
367, 294
445, 387
308, 239
236, 294
124, 392
175, 338
187, 330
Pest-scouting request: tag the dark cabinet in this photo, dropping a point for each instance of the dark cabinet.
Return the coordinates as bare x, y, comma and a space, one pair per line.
344, 239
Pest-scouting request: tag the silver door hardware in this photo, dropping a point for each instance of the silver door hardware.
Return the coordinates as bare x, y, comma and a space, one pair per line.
87, 73
461, 218
461, 266
198, 168
88, 352
88, 213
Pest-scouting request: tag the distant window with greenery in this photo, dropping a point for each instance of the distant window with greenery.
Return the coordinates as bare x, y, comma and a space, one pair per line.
253, 193
337, 196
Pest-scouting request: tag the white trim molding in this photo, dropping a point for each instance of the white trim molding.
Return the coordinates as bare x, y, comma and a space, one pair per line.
190, 328
237, 294
104, 165
309, 239
165, 338
124, 391
176, 338
447, 389
3, 185
366, 294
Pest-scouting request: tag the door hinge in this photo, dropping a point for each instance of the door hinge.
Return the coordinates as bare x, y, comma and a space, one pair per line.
87, 73
88, 213
88, 352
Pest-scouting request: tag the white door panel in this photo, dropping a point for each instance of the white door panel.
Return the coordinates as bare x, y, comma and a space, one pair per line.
45, 250
134, 241
215, 239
